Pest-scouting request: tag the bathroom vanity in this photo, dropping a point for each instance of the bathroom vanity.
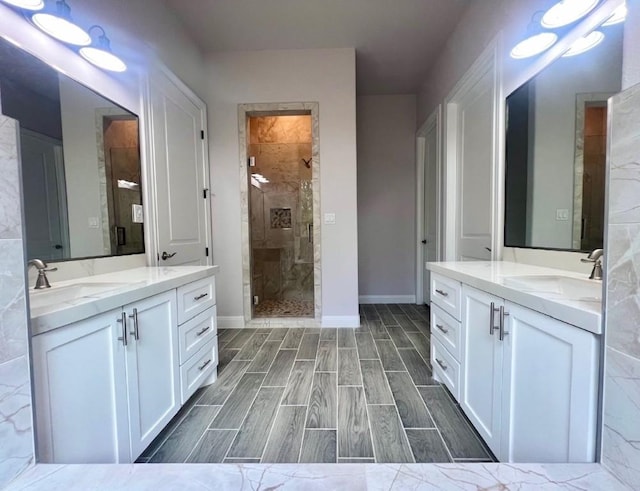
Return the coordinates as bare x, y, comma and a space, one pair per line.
115, 356
518, 347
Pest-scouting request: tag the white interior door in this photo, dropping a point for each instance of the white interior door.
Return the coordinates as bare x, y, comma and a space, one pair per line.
179, 154
430, 240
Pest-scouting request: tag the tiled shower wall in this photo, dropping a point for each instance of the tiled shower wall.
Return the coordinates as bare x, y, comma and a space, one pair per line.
16, 428
621, 433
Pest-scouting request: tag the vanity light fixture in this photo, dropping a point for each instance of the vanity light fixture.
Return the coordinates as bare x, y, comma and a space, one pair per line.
536, 41
57, 23
567, 12
619, 15
26, 4
99, 53
585, 43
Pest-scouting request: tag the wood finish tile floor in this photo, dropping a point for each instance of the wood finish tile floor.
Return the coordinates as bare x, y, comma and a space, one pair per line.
324, 395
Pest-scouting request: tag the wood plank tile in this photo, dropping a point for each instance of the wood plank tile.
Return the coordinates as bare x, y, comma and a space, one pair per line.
424, 326
251, 347
184, 438
227, 335
286, 436
328, 334
212, 447
348, 367
308, 347
225, 357
394, 308
374, 382
366, 347
427, 446
312, 330
346, 338
456, 432
241, 461
370, 312
318, 446
265, 356
348, 460
236, 406
299, 384
388, 319
323, 401
327, 357
240, 339
278, 374
278, 334
389, 439
217, 393
422, 345
252, 437
400, 338
378, 331
389, 355
417, 368
406, 324
264, 330
354, 436
293, 338
411, 408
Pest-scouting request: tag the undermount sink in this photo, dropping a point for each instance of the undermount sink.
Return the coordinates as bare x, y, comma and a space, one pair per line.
56, 294
572, 288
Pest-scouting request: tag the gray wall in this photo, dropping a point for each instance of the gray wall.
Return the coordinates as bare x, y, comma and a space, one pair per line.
386, 195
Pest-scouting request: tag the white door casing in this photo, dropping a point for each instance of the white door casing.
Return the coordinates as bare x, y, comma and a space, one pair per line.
179, 171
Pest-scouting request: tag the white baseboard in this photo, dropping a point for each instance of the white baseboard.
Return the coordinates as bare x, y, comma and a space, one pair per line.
231, 322
340, 321
387, 299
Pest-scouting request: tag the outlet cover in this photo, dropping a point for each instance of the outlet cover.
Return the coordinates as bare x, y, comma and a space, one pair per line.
137, 215
330, 218
94, 222
562, 215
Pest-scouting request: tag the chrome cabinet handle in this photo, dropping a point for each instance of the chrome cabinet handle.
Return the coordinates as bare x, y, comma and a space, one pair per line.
203, 330
136, 332
443, 293
204, 365
492, 318
502, 333
123, 320
442, 365
442, 328
166, 255
200, 297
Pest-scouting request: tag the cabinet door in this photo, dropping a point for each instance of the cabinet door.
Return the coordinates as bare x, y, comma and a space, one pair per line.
550, 389
153, 370
80, 391
482, 365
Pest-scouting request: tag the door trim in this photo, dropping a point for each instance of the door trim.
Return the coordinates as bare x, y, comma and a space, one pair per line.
276, 109
434, 121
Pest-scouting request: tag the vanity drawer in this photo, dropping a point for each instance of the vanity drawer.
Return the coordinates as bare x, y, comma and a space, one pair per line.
445, 368
446, 293
198, 368
197, 332
196, 297
446, 329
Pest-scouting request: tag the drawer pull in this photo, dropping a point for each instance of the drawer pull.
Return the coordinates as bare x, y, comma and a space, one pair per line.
442, 365
441, 292
201, 296
442, 328
204, 365
203, 330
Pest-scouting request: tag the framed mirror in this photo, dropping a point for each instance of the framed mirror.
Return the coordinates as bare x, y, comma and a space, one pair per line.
80, 156
556, 150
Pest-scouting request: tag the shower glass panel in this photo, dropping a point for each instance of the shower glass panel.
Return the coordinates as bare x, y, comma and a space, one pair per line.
281, 206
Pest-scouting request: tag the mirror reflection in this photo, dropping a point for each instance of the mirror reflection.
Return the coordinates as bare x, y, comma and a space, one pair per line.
80, 163
556, 150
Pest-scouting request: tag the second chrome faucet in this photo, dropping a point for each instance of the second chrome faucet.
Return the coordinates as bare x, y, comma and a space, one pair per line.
595, 257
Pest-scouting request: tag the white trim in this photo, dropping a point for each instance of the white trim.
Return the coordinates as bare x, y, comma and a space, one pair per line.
387, 299
231, 322
340, 321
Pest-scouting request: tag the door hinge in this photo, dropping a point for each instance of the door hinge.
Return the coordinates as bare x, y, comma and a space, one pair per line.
206, 251
202, 134
205, 192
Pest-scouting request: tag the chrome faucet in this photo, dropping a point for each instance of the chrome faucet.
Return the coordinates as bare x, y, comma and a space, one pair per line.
41, 266
595, 257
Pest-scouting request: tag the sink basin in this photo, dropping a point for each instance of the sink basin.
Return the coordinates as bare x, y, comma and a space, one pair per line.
566, 286
58, 294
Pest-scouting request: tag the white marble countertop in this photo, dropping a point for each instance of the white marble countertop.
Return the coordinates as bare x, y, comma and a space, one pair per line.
81, 298
311, 477
576, 304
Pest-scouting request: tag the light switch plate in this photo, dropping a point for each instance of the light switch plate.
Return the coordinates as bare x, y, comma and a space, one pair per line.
562, 215
330, 218
137, 216
94, 222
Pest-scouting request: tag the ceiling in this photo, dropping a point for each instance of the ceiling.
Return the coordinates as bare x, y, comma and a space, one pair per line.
396, 41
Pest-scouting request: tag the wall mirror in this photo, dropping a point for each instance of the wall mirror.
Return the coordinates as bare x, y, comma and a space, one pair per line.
80, 161
556, 150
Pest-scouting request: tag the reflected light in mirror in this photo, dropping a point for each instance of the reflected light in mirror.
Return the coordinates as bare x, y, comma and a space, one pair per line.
103, 59
534, 45
26, 4
619, 15
566, 12
585, 44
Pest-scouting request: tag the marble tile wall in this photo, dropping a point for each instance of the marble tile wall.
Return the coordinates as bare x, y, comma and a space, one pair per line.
16, 428
621, 419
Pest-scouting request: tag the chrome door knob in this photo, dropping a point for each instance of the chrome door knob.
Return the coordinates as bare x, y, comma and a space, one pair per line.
166, 255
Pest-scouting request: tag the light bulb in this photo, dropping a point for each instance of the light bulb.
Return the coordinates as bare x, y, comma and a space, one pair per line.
26, 4
103, 59
534, 45
61, 29
566, 12
584, 44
